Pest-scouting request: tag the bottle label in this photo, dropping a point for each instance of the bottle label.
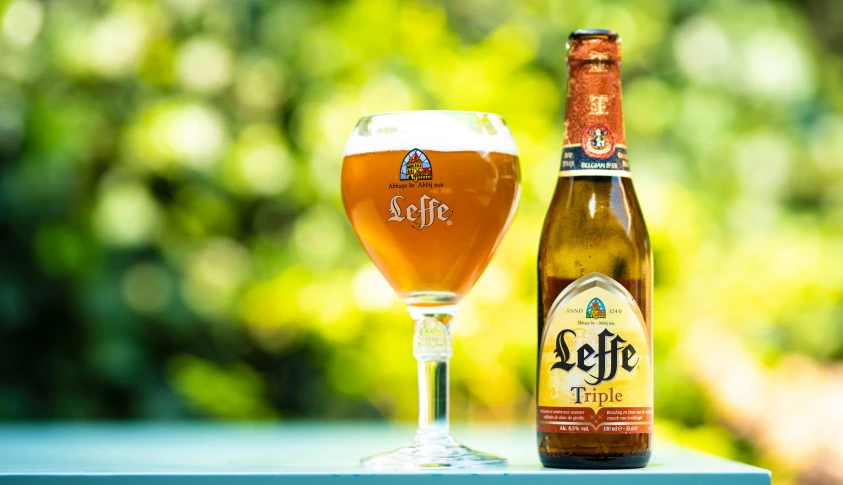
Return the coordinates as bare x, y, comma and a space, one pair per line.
595, 373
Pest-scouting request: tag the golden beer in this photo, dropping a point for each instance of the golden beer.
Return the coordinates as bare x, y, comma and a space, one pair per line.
432, 234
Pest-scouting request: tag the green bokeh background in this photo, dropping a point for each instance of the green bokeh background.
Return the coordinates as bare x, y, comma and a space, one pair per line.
174, 245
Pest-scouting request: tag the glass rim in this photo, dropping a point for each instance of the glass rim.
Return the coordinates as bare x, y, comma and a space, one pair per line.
431, 111
405, 130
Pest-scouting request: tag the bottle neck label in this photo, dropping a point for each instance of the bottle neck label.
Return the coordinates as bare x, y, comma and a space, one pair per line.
577, 162
595, 142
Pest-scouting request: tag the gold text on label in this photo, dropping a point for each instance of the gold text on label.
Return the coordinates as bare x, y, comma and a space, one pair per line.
599, 64
599, 104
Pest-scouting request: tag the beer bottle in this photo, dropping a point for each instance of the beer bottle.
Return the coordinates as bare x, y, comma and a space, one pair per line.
595, 268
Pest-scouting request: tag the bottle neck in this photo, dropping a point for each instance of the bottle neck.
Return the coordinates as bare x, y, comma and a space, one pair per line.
594, 104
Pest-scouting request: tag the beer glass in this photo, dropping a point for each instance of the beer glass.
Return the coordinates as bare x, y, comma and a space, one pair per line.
430, 195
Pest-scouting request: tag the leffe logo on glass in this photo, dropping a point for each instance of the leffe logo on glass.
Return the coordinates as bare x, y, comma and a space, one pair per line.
416, 166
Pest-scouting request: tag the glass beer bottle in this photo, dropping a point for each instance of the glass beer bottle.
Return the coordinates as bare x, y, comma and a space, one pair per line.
595, 269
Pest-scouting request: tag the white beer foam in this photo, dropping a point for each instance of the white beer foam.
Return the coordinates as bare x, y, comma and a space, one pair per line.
443, 131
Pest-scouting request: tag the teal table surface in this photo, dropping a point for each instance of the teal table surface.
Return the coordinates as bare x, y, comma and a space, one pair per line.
311, 453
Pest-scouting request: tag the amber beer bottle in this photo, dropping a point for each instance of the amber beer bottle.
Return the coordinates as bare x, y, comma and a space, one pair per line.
595, 268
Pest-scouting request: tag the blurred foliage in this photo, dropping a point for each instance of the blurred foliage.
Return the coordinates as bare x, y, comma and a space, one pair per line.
174, 245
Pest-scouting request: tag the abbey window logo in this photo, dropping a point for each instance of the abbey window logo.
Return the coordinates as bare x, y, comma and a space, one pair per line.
595, 309
597, 141
416, 166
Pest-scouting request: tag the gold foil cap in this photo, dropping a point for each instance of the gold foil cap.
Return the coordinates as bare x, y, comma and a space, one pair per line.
594, 45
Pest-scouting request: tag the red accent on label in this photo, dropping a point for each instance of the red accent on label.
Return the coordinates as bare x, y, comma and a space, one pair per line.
597, 142
614, 420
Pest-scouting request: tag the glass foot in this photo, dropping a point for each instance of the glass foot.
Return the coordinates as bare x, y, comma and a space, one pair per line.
443, 452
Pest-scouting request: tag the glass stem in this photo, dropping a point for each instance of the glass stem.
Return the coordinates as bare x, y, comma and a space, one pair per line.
432, 349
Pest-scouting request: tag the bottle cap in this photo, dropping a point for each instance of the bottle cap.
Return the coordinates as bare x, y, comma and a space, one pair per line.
594, 45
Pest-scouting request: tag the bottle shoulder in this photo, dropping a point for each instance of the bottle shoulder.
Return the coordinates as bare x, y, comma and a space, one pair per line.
594, 224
